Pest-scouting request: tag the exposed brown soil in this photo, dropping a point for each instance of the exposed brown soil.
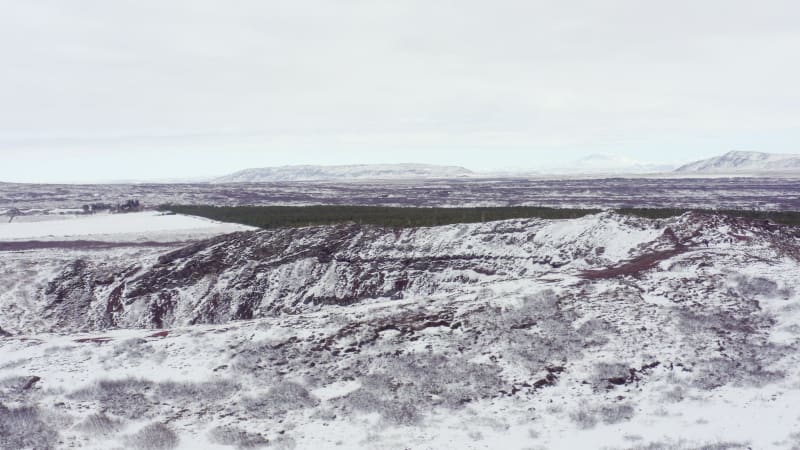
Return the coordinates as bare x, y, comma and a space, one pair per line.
160, 334
94, 340
636, 265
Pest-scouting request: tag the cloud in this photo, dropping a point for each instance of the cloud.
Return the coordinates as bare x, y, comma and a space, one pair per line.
570, 77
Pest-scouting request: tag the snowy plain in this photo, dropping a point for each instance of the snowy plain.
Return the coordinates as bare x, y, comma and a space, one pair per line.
137, 226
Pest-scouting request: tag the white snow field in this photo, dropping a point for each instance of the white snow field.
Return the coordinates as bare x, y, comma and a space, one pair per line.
605, 332
138, 226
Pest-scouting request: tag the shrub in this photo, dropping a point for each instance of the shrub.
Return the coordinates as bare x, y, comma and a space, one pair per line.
291, 395
205, 392
285, 443
751, 287
23, 428
675, 394
584, 417
616, 413
402, 385
237, 438
134, 399
99, 425
377, 398
611, 373
134, 349
126, 397
587, 416
155, 436
746, 371
17, 388
285, 396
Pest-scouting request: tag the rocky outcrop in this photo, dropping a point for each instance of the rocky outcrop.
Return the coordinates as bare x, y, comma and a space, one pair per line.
256, 274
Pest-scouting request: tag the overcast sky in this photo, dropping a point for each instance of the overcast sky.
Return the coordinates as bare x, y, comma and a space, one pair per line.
142, 89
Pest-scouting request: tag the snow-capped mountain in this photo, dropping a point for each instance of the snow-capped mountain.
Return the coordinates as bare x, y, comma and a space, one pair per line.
591, 166
738, 162
608, 164
344, 173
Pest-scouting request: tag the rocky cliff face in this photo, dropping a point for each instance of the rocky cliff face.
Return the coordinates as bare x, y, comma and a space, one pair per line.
266, 273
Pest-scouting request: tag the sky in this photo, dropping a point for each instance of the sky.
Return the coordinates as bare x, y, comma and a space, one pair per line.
95, 90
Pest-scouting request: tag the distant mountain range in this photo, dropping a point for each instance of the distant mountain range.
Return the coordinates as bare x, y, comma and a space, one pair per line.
347, 172
731, 163
604, 164
738, 162
590, 165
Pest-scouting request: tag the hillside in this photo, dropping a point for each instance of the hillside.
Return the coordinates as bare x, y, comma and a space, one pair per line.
621, 331
344, 173
611, 165
737, 162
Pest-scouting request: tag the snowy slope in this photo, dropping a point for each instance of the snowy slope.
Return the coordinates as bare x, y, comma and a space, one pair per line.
600, 332
745, 162
344, 173
247, 275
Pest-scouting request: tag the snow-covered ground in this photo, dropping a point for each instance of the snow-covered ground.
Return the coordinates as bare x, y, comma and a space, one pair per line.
736, 162
600, 332
139, 226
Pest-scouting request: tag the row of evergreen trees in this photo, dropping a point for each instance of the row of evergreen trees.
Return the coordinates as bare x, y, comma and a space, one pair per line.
397, 217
